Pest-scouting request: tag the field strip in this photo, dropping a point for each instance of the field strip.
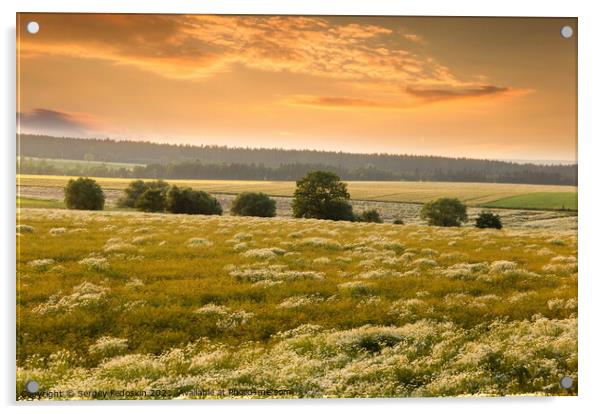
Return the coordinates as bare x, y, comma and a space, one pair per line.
406, 192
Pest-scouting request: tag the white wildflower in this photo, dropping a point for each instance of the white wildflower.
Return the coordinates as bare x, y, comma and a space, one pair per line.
301, 300
503, 266
264, 253
41, 264
321, 242
95, 263
108, 346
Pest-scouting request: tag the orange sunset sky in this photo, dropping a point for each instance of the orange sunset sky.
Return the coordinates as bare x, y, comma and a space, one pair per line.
501, 88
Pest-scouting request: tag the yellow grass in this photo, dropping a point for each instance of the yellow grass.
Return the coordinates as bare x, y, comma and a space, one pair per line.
124, 300
409, 192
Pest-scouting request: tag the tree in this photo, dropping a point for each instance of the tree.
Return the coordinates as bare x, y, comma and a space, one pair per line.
253, 204
488, 220
446, 212
152, 200
398, 221
322, 195
370, 216
84, 194
136, 188
189, 201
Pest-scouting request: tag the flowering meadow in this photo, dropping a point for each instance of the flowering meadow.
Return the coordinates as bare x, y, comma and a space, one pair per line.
134, 305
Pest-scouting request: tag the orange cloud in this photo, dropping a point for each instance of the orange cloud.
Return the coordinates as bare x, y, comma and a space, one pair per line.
337, 102
446, 94
414, 37
201, 46
410, 98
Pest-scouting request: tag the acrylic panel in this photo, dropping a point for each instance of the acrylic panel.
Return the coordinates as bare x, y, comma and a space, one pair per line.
265, 206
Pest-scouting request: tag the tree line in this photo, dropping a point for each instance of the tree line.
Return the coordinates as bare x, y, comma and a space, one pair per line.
171, 161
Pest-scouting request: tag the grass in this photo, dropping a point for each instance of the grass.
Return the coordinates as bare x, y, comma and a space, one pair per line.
538, 201
27, 202
30, 202
113, 300
65, 163
473, 194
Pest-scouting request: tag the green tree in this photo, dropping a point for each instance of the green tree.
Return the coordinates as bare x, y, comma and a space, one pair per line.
152, 200
253, 204
446, 212
136, 188
488, 220
84, 194
322, 195
371, 216
189, 201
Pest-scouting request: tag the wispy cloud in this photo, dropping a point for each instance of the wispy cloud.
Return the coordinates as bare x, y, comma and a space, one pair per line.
410, 99
338, 102
445, 94
201, 46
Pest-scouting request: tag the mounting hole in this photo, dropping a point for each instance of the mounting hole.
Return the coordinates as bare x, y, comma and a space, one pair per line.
33, 27
32, 386
566, 32
566, 382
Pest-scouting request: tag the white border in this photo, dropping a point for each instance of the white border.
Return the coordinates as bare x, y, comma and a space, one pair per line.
590, 201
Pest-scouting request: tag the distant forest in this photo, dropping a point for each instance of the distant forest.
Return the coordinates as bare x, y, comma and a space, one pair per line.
171, 161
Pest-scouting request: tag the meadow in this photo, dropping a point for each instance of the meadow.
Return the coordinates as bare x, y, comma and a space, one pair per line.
126, 304
557, 201
66, 163
472, 194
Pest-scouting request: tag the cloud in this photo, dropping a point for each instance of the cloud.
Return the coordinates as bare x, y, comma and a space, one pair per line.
197, 46
347, 50
409, 98
338, 102
54, 122
443, 94
435, 95
413, 37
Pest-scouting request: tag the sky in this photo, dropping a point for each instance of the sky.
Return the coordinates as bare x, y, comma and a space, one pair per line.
497, 88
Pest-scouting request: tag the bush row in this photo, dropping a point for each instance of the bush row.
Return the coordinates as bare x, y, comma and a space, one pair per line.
320, 194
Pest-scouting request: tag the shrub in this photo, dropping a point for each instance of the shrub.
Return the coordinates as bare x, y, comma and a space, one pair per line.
371, 216
488, 220
338, 210
398, 221
84, 194
152, 200
189, 201
446, 212
135, 190
322, 195
253, 204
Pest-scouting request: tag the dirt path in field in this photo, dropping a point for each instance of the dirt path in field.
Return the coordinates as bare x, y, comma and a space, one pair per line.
389, 211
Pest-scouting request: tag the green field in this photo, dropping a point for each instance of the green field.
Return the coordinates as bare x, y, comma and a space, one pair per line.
538, 201
473, 194
113, 300
29, 202
63, 163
